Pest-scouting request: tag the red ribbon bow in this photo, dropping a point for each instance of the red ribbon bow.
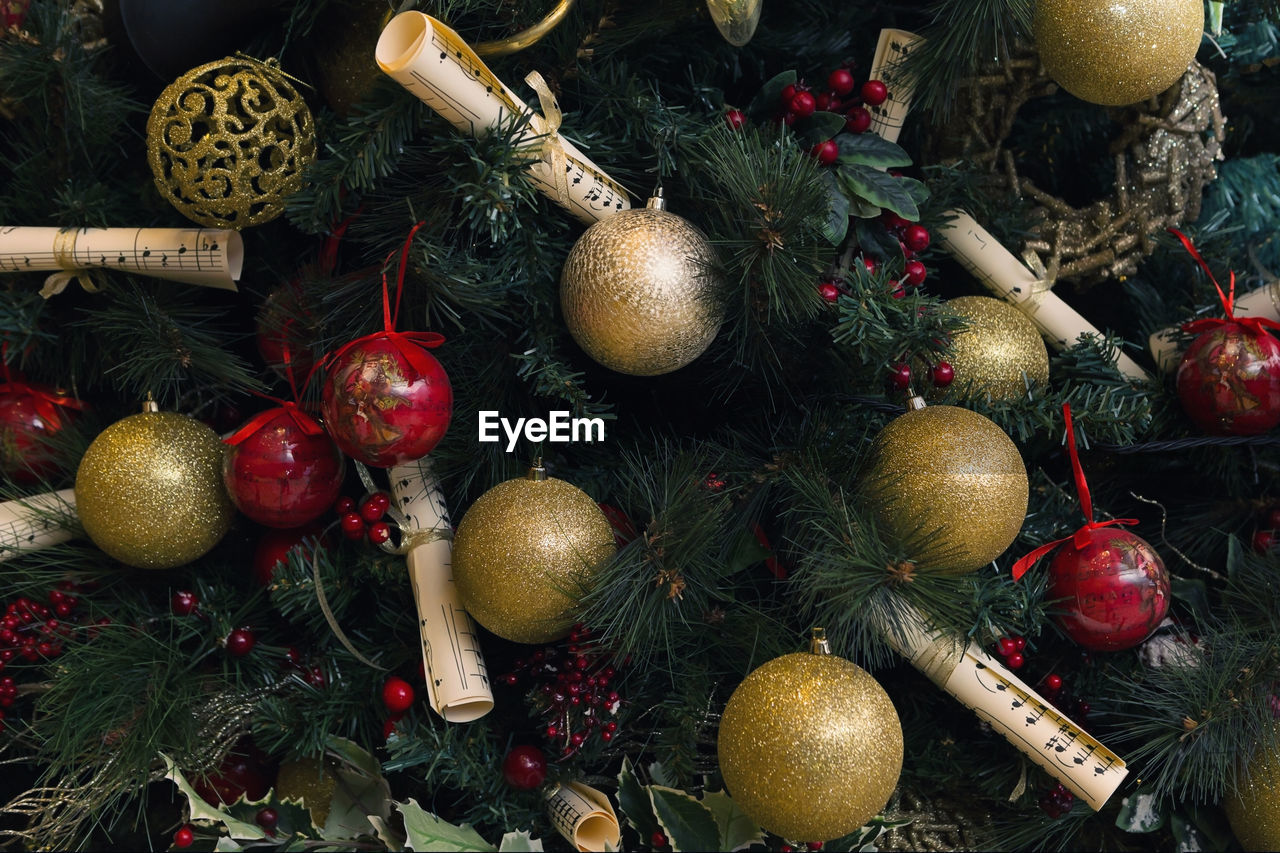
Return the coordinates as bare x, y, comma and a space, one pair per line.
1081, 537
286, 409
411, 345
46, 403
1257, 325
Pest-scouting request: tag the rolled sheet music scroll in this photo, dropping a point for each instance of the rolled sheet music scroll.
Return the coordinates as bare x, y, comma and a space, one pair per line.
457, 680
1008, 278
584, 816
441, 70
1028, 721
29, 524
891, 51
1263, 302
207, 257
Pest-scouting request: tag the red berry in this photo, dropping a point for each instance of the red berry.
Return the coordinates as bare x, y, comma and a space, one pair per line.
240, 642
552, 732
814, 845
379, 532
184, 836
1020, 642
896, 290
916, 237
352, 526
525, 767
605, 735
788, 92
344, 505
268, 818
577, 738
822, 100
914, 273
840, 81
184, 602
826, 153
789, 119
857, 120
658, 839
803, 104
828, 291
62, 609
389, 726
870, 263
373, 509
1053, 681
942, 374
1264, 541
900, 376
1015, 660
1006, 646
874, 93
786, 848
736, 119
397, 695
316, 677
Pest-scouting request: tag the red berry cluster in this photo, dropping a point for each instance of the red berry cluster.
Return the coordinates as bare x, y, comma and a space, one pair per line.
32, 631
1011, 649
573, 690
312, 673
800, 100
1266, 538
364, 522
1057, 801
941, 374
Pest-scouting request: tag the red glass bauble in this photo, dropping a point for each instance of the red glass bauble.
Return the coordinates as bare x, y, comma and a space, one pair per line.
24, 454
382, 410
1229, 381
280, 476
246, 772
275, 544
1110, 594
285, 324
525, 767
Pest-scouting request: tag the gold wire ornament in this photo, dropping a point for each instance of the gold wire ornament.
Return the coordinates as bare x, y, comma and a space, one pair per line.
228, 141
526, 38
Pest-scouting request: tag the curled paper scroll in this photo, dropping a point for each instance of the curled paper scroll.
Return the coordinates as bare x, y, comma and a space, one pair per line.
441, 70
1263, 302
457, 680
891, 50
584, 816
30, 524
1028, 721
207, 257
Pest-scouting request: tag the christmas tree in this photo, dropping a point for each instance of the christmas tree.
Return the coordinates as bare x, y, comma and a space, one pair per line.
590, 425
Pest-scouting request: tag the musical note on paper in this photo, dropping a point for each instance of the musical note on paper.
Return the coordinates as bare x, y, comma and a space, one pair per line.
457, 679
440, 69
584, 816
892, 50
201, 256
40, 521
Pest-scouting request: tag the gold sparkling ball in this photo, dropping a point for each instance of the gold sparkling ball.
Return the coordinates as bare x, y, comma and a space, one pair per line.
999, 351
523, 551
1254, 809
228, 141
640, 292
1117, 53
149, 490
949, 485
307, 781
343, 44
810, 746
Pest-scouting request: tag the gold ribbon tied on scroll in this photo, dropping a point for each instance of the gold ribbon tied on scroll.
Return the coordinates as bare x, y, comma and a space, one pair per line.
553, 152
64, 255
584, 816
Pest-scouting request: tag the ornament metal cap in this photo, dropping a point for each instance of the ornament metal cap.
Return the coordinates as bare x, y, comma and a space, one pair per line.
537, 473
656, 201
150, 404
818, 642
915, 402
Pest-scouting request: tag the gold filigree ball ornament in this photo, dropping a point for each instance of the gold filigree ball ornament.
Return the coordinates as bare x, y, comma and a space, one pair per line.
948, 485
149, 490
1117, 53
999, 354
524, 550
641, 293
1253, 809
810, 745
227, 142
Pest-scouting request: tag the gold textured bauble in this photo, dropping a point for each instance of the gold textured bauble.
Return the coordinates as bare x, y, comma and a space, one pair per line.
640, 291
949, 485
307, 781
523, 550
998, 352
810, 746
227, 143
1117, 53
343, 43
149, 490
1254, 809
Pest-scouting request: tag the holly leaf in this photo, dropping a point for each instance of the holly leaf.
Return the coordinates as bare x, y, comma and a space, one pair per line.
1140, 812
836, 224
634, 802
425, 831
868, 149
873, 238
687, 823
819, 127
204, 813
519, 842
660, 774
736, 829
880, 189
766, 101
360, 791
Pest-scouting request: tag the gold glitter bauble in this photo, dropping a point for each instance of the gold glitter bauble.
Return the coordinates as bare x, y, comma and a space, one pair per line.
949, 485
227, 143
1117, 53
1254, 809
307, 781
640, 292
149, 490
998, 352
522, 550
343, 44
810, 746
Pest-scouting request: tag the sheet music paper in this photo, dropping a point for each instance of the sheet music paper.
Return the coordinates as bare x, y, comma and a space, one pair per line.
1263, 302
584, 816
1008, 278
441, 70
207, 257
891, 51
457, 680
1027, 720
29, 524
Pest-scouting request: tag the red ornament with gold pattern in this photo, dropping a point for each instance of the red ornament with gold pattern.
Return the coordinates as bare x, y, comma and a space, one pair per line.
1229, 378
386, 399
29, 415
1109, 588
